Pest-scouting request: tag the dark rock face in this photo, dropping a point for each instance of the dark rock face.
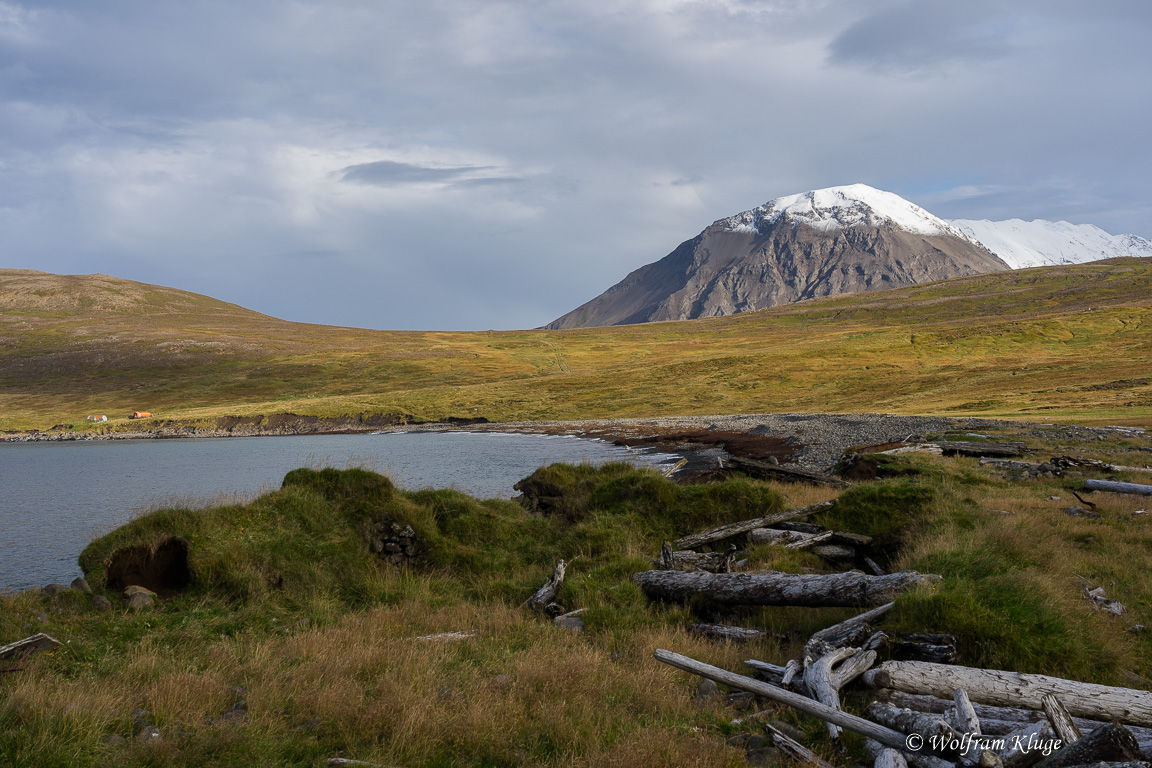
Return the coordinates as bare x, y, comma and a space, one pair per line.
723, 271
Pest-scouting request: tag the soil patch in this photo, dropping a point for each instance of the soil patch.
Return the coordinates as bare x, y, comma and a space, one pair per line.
162, 568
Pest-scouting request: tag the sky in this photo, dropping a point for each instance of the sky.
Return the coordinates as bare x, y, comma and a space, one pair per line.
463, 165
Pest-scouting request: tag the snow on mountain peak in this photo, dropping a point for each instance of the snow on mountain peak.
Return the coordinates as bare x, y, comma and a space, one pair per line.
1037, 243
840, 207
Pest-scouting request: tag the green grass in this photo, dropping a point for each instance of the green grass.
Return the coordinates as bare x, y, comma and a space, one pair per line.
1067, 343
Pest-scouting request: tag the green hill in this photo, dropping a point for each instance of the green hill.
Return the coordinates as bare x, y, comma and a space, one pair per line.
1069, 343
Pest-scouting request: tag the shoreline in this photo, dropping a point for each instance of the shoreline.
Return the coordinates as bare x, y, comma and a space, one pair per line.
813, 441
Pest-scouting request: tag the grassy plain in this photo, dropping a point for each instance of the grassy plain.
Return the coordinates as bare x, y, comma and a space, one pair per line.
1070, 343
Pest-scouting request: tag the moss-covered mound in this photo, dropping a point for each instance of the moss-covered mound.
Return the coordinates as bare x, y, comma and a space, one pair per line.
316, 533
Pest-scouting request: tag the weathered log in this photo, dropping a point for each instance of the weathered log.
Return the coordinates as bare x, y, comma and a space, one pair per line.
963, 716
1027, 746
1113, 742
450, 637
914, 759
763, 471
731, 634
775, 536
784, 677
966, 448
795, 749
998, 721
809, 540
885, 736
872, 566
914, 651
990, 686
1060, 719
722, 532
826, 675
800, 527
29, 645
544, 595
837, 589
1109, 486
937, 734
690, 560
890, 758
851, 631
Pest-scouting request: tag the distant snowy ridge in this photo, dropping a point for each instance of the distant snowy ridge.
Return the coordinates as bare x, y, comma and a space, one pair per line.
840, 207
1039, 243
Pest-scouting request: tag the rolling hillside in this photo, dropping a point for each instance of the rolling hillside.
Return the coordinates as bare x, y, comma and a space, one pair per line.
1068, 342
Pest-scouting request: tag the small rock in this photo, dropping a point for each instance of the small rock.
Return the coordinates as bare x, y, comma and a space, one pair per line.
41, 617
500, 682
237, 712
706, 692
756, 741
1137, 628
1078, 511
309, 725
1001, 512
739, 740
101, 603
1052, 498
789, 730
570, 622
150, 734
136, 589
115, 740
740, 700
81, 584
765, 756
140, 601
140, 719
53, 589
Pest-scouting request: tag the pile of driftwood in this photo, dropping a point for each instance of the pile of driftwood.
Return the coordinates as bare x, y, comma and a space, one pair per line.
926, 712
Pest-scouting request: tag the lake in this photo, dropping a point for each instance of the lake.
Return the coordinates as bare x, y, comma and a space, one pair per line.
57, 497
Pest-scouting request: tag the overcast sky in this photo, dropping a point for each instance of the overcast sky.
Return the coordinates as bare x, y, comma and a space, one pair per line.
454, 164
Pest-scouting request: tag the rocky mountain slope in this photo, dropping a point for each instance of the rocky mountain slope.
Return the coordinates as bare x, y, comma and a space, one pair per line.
1039, 243
828, 241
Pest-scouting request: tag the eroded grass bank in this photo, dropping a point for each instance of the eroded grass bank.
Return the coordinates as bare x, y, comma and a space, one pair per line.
289, 611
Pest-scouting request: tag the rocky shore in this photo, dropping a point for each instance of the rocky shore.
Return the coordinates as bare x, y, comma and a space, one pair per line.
811, 441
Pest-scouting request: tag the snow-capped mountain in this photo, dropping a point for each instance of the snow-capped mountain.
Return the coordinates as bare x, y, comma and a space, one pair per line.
838, 207
1038, 243
828, 241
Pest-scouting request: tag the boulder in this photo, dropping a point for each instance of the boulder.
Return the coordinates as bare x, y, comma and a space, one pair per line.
81, 584
53, 589
139, 601
136, 589
101, 603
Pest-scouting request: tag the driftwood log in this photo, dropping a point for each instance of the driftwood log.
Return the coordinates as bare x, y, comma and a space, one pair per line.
962, 715
1060, 719
1000, 688
722, 532
1026, 746
731, 634
29, 645
1113, 487
837, 589
1111, 743
890, 758
690, 560
885, 736
826, 675
546, 593
795, 749
762, 471
999, 721
964, 448
969, 748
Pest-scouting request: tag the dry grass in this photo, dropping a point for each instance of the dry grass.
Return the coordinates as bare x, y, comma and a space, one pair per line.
1070, 343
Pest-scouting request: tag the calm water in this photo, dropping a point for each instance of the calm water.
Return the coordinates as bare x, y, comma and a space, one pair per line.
57, 497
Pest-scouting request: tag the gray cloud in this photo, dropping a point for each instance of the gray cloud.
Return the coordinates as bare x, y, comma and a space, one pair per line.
925, 35
388, 172
518, 158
